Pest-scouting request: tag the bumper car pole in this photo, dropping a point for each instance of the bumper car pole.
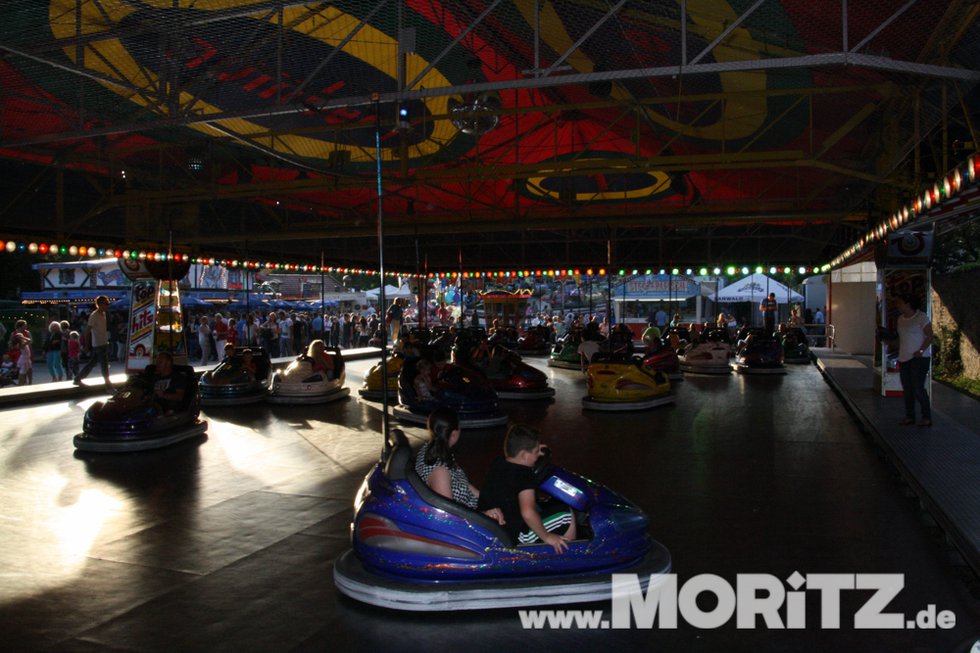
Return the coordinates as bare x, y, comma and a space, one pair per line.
381, 269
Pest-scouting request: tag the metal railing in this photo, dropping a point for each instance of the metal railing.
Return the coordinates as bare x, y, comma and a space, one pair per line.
820, 335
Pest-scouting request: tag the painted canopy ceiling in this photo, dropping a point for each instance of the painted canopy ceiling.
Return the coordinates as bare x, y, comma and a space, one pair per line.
547, 132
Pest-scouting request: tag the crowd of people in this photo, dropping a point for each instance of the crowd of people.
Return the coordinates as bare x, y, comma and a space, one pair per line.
281, 333
72, 348
61, 347
98, 337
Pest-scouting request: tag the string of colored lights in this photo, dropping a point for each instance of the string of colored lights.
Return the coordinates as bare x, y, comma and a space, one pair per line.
92, 251
953, 186
730, 270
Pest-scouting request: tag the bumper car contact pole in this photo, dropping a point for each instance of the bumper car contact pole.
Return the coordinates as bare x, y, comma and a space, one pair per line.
381, 268
609, 317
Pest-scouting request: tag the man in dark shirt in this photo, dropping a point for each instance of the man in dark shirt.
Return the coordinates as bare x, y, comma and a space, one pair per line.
169, 383
769, 308
511, 486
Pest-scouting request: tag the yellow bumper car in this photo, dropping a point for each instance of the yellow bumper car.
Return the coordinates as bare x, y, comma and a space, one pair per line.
618, 382
371, 388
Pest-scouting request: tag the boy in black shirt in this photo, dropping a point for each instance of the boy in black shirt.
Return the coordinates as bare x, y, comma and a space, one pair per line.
511, 486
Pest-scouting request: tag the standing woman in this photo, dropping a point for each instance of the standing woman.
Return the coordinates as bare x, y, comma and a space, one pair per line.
204, 339
914, 357
21, 340
52, 350
65, 336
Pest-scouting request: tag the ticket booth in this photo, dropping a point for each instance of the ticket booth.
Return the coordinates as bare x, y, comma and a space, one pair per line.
903, 268
508, 307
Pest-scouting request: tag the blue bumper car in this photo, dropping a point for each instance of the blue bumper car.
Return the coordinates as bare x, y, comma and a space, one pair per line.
233, 383
416, 550
466, 393
131, 420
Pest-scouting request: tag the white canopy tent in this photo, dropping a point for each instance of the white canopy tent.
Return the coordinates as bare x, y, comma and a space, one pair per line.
391, 292
755, 288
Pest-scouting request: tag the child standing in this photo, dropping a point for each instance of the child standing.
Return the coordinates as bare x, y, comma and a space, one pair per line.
74, 350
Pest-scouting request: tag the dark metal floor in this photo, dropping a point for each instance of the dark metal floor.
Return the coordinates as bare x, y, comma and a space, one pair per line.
227, 543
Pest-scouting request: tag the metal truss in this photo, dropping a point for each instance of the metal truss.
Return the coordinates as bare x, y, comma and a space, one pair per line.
538, 78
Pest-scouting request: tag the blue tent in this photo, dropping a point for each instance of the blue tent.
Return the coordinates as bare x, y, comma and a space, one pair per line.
186, 301
193, 301
322, 304
254, 302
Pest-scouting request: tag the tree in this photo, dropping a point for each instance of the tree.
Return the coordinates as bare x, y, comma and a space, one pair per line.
957, 249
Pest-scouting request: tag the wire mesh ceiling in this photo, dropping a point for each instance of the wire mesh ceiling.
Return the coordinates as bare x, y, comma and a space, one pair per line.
690, 131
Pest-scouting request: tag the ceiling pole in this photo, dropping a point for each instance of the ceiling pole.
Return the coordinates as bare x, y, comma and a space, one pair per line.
279, 56
966, 117
435, 60
339, 48
588, 33
406, 44
882, 26
537, 38
79, 53
683, 34
59, 203
729, 29
945, 129
917, 151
